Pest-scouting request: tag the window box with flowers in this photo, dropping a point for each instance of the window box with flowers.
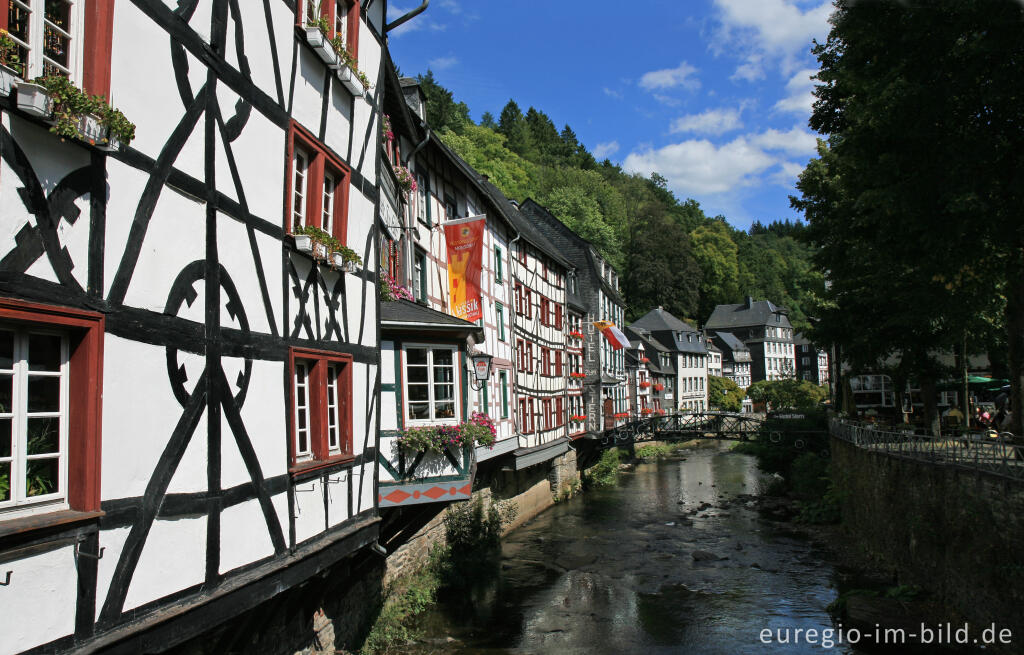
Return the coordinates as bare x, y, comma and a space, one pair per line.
390, 290
659, 387
324, 248
578, 376
578, 418
334, 53
644, 385
73, 114
479, 430
406, 180
576, 335
354, 79
10, 63
621, 415
646, 411
661, 412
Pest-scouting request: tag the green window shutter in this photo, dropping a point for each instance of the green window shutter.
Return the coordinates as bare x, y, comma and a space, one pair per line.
487, 409
504, 394
499, 315
497, 264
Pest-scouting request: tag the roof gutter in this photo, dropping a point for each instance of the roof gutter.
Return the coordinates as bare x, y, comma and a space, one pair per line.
401, 20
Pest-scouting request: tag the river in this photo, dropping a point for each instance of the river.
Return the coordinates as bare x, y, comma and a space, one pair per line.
641, 568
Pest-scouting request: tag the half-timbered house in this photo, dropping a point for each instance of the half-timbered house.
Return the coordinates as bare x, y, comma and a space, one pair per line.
188, 335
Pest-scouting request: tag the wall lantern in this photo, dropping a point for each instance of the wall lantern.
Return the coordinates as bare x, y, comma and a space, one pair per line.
481, 369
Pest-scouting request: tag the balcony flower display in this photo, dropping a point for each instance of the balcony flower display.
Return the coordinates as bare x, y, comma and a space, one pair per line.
621, 415
644, 385
659, 387
646, 410
479, 430
390, 290
405, 179
661, 412
325, 248
386, 132
645, 360
578, 417
578, 376
576, 334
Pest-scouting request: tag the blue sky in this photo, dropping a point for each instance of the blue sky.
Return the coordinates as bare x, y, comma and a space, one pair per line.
712, 94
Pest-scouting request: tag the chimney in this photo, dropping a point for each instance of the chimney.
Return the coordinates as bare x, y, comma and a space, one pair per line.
750, 302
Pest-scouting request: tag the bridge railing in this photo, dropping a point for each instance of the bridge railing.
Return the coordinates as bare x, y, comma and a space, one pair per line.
998, 455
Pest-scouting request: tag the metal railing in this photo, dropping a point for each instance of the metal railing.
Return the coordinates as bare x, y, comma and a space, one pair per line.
997, 454
722, 425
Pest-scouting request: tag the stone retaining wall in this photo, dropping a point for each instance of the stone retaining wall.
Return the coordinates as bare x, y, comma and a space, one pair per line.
955, 532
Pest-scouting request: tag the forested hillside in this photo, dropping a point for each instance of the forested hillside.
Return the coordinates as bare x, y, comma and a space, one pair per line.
668, 251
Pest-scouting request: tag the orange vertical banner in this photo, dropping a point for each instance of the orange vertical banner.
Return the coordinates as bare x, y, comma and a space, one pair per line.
465, 239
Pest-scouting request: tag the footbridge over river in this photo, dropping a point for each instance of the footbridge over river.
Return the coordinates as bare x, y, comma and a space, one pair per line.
704, 425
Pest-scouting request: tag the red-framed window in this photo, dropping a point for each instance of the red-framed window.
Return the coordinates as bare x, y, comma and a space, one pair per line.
547, 414
77, 36
543, 311
545, 361
51, 378
526, 415
558, 363
316, 186
559, 413
321, 408
527, 303
342, 17
558, 316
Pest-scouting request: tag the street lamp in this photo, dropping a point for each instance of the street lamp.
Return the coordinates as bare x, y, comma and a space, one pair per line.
481, 370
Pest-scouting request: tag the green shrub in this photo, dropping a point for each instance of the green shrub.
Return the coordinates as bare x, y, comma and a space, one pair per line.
605, 473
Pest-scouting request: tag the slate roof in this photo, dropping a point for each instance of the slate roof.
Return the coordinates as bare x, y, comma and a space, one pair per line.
416, 315
574, 247
651, 349
658, 320
729, 341
746, 314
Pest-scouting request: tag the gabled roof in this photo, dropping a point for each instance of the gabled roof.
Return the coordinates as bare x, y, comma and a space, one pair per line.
746, 314
658, 320
406, 315
729, 341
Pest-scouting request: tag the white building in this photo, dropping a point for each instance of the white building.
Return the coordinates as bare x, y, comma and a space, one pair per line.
690, 355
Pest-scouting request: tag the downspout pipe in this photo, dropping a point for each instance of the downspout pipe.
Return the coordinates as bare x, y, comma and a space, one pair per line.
512, 332
419, 146
401, 20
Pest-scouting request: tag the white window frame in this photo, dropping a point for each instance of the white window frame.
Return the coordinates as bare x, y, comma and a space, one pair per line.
300, 212
431, 400
327, 203
18, 502
34, 65
302, 401
334, 371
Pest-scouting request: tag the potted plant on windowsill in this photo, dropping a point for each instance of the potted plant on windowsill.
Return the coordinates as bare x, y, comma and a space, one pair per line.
391, 291
354, 79
346, 259
10, 63
74, 114
316, 36
406, 181
479, 430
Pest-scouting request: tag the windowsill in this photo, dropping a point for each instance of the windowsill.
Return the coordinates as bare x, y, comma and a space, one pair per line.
35, 522
319, 465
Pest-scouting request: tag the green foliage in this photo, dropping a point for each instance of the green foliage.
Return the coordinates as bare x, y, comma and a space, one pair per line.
472, 533
5, 487
789, 394
9, 52
485, 151
605, 473
407, 597
658, 451
724, 394
443, 112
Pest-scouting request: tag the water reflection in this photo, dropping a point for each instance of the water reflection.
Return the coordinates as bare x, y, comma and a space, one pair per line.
654, 566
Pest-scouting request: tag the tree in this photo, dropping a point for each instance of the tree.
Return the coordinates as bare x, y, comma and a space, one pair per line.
789, 394
443, 112
715, 252
724, 394
487, 120
512, 125
921, 105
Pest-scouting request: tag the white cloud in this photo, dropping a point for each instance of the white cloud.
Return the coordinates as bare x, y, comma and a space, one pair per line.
612, 93
794, 142
712, 121
778, 30
603, 150
441, 63
668, 101
751, 70
700, 167
799, 98
787, 173
668, 78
